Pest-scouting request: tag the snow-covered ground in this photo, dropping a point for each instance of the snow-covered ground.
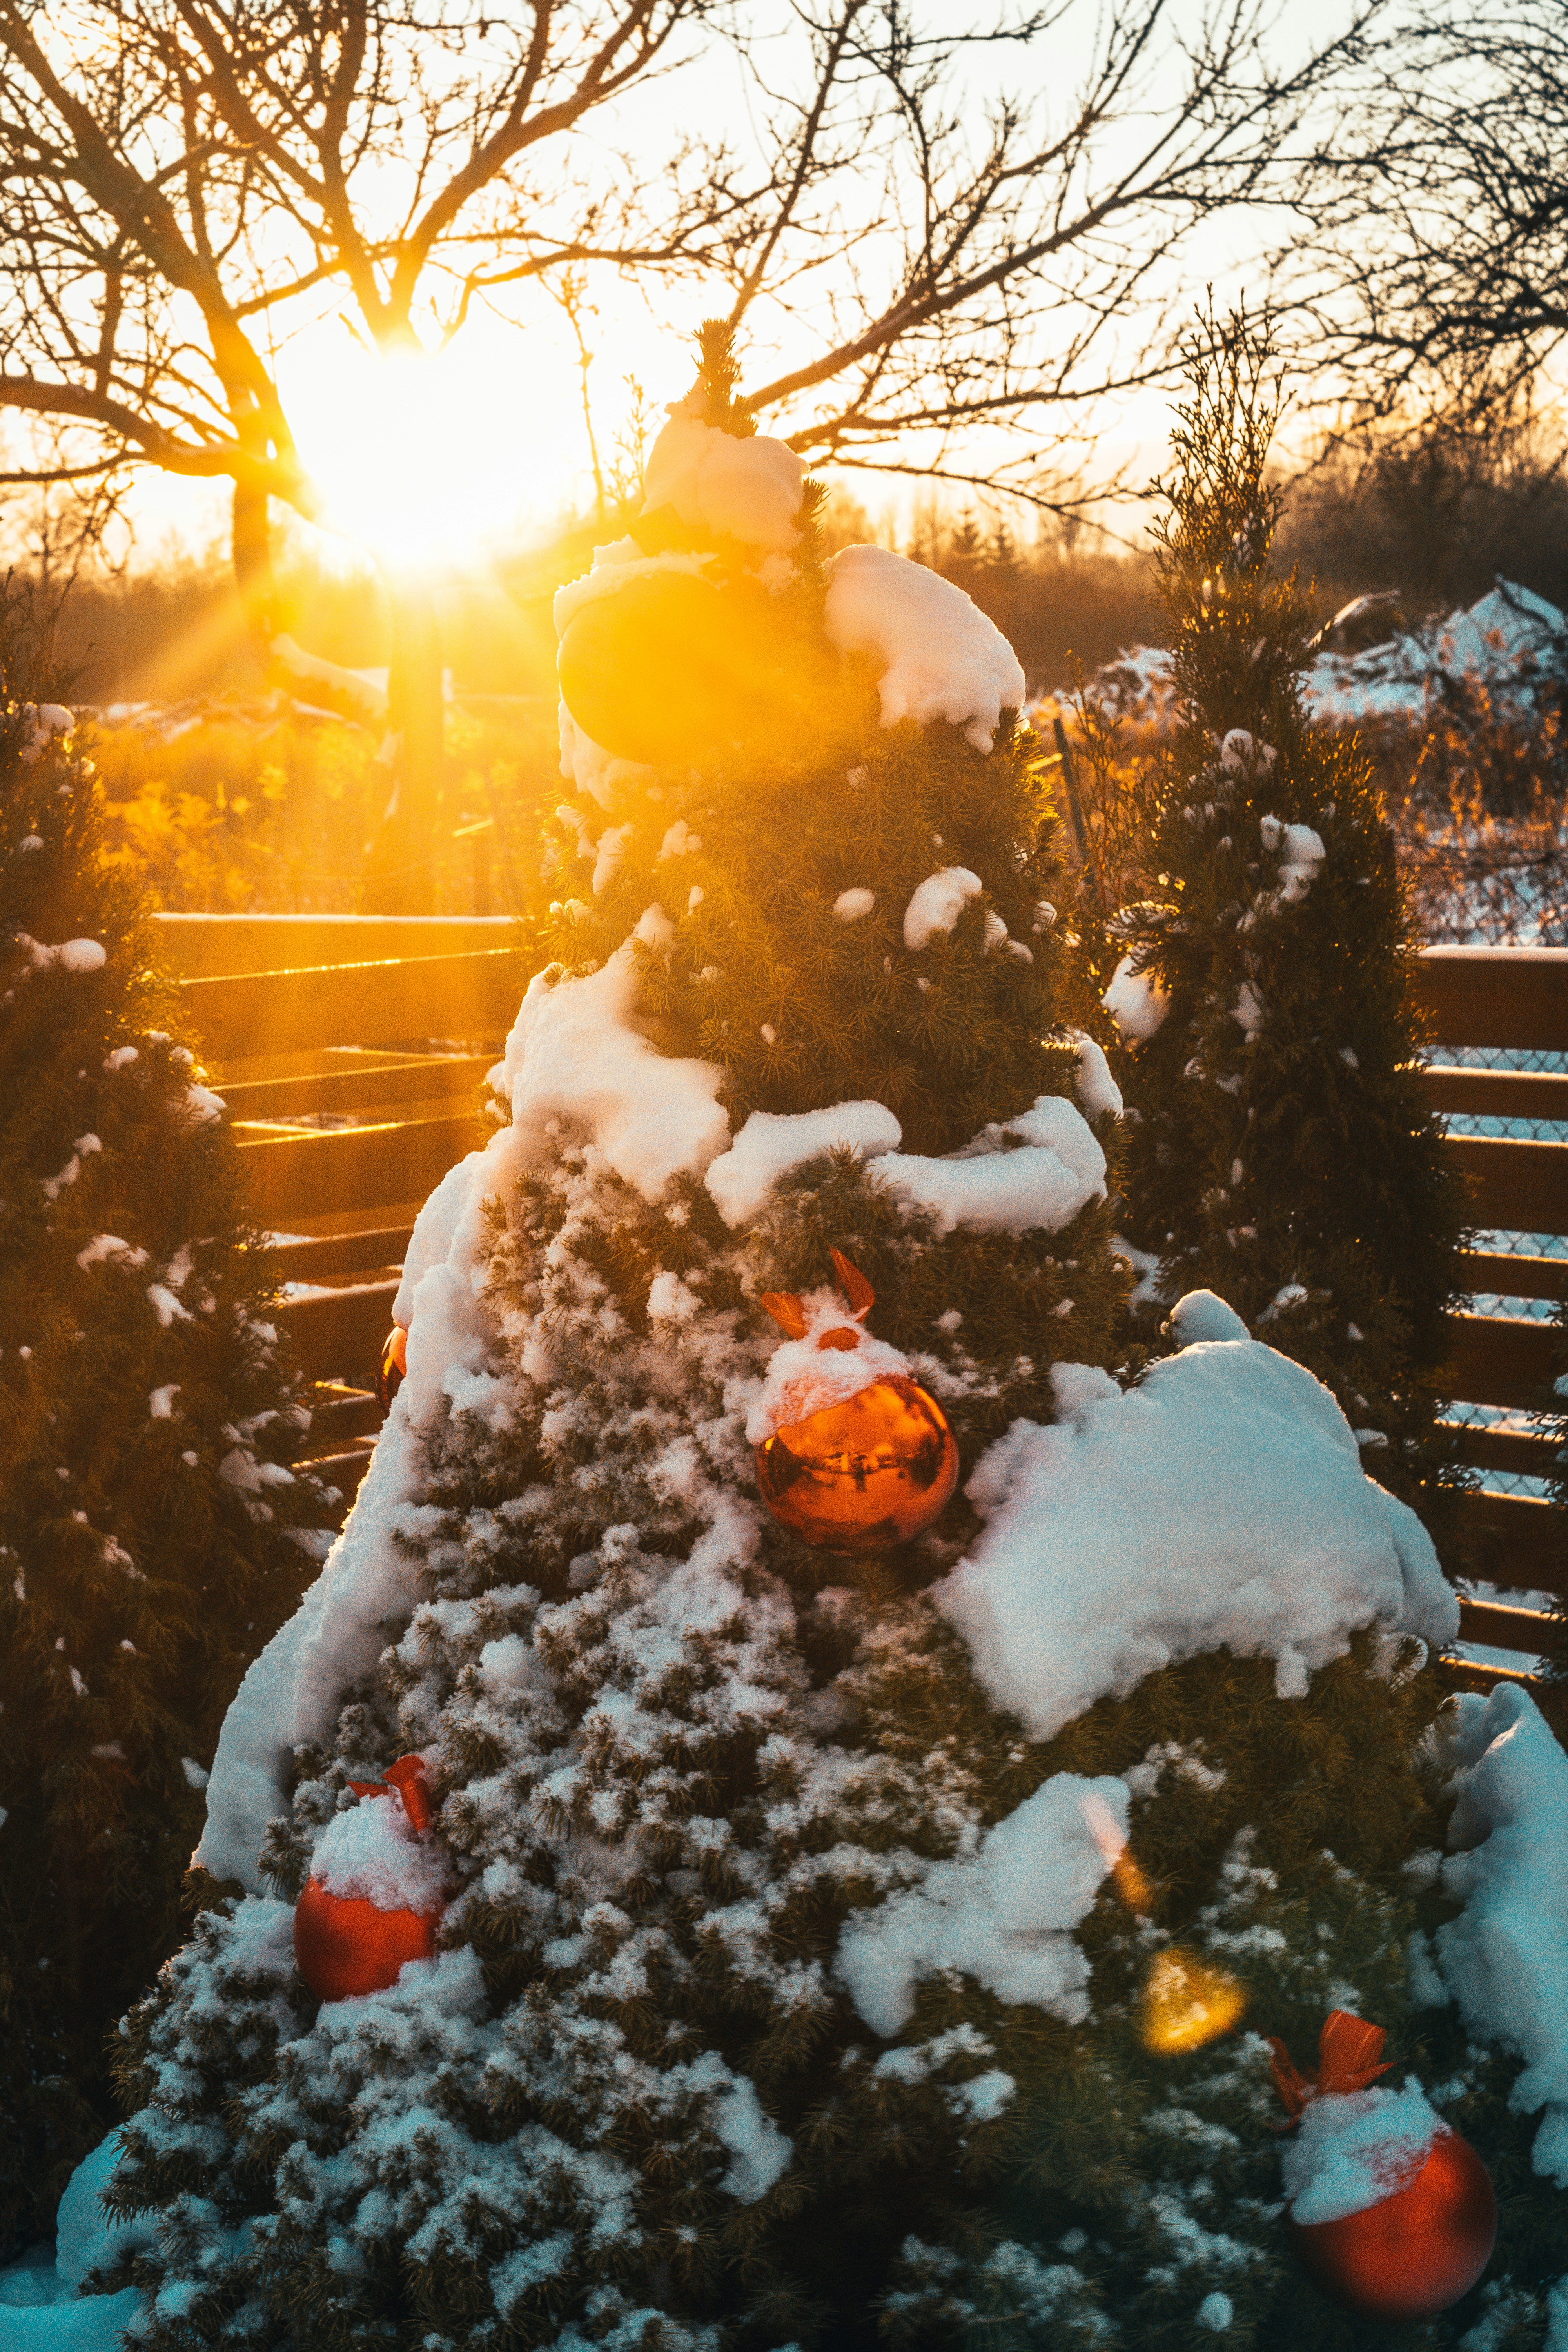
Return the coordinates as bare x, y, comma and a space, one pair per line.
1511, 641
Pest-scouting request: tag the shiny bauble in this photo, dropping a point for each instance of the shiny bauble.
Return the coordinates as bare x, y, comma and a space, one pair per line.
668, 671
864, 1474
1415, 2252
393, 1367
1187, 2001
344, 1945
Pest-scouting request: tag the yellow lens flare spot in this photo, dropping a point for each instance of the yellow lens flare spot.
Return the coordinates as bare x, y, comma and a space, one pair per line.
1187, 2003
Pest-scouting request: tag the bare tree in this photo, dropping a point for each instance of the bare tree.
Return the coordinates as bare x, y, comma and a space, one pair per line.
1013, 264
1437, 185
189, 182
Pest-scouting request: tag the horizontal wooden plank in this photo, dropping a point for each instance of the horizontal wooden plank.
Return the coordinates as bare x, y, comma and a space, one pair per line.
1519, 1187
1495, 1359
338, 1334
1515, 1541
1496, 996
1501, 1628
1470, 1674
360, 1168
361, 1252
252, 1014
1486, 1448
1502, 1276
340, 1413
344, 1471
204, 945
426, 1078
1496, 1094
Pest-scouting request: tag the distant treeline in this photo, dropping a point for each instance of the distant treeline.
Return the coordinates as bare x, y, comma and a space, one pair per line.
1437, 516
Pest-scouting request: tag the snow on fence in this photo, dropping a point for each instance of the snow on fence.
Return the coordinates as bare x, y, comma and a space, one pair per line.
349, 1051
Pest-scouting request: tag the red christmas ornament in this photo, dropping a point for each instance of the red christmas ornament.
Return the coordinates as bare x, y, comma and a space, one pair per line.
1422, 2246
393, 1367
344, 1945
864, 1474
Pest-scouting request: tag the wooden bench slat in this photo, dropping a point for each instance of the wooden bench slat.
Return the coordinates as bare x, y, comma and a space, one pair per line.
1521, 1187
1496, 1094
207, 945
1485, 1448
245, 1015
339, 1331
431, 1078
1471, 1673
350, 1167
361, 1252
1492, 996
340, 1413
1496, 1359
1501, 1628
1505, 1276
1514, 1541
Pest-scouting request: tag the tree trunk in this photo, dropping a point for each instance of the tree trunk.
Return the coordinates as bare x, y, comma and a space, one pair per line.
399, 862
257, 589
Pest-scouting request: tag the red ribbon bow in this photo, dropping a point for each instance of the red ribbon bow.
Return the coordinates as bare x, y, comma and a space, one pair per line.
1348, 2053
405, 1781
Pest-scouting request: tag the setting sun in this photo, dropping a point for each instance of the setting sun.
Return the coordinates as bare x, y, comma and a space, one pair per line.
424, 460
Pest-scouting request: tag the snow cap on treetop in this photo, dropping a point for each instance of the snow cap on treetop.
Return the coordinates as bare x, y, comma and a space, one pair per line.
724, 486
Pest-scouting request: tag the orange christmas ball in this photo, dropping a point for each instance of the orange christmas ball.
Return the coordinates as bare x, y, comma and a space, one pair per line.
393, 1367
344, 1945
666, 670
1414, 2254
861, 1475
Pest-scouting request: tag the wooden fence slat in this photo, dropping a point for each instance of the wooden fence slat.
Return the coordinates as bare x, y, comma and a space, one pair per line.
1484, 1448
1496, 1359
1469, 1673
1505, 1276
431, 1078
345, 1472
339, 1331
350, 1167
1520, 1187
1512, 1541
359, 1253
243, 1016
340, 1413
1492, 996
203, 946
1501, 1628
1496, 1094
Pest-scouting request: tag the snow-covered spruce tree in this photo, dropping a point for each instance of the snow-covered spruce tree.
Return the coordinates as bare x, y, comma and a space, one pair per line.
146, 1510
1281, 1150
785, 1991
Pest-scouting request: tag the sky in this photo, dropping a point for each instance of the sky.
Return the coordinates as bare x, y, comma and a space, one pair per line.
488, 445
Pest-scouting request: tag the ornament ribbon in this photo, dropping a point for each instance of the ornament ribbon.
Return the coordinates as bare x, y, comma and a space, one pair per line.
1348, 2053
405, 1781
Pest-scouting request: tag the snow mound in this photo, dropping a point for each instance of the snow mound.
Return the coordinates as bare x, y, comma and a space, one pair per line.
804, 1378
573, 1053
372, 1853
43, 721
772, 1143
1354, 2148
940, 655
1221, 1505
729, 487
1511, 643
1004, 1913
988, 1187
1505, 1957
1136, 1001
938, 903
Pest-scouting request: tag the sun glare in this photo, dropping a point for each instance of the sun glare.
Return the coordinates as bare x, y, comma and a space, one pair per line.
423, 460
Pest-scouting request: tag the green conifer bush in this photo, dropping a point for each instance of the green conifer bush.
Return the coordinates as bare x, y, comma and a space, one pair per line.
784, 1994
1281, 1150
151, 1531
